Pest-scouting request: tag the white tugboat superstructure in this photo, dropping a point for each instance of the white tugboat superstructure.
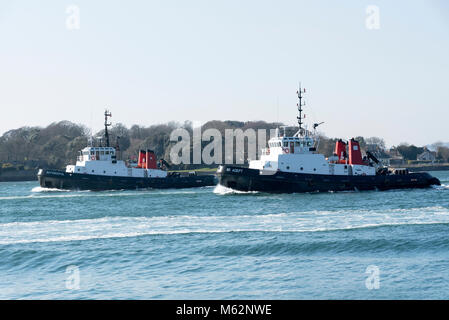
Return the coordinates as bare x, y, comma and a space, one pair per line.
102, 161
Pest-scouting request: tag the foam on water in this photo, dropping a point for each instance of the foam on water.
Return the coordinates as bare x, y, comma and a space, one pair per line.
222, 190
80, 237
441, 187
42, 189
313, 221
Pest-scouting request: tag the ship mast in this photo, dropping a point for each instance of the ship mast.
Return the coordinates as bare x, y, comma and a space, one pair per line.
300, 104
106, 125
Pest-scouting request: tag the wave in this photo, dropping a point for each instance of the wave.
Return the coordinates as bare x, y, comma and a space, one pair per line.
42, 189
118, 227
222, 190
359, 246
80, 237
15, 197
441, 187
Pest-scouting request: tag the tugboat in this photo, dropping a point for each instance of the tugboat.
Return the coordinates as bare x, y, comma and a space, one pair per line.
292, 164
97, 168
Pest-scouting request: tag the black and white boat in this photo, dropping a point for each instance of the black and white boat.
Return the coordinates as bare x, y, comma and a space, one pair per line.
292, 164
97, 168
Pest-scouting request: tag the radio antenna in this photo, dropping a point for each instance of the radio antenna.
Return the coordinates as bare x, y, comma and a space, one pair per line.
106, 125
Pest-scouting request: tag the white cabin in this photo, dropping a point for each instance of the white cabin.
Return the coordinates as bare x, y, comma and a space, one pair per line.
103, 161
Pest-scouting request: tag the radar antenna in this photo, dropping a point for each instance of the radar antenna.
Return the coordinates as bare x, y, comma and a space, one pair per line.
315, 125
106, 125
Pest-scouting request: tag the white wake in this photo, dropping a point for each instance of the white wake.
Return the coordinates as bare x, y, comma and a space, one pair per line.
310, 221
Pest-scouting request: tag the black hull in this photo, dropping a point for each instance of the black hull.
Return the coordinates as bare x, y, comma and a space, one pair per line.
244, 179
75, 181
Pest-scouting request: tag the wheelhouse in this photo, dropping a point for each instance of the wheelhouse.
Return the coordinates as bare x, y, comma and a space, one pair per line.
97, 154
292, 145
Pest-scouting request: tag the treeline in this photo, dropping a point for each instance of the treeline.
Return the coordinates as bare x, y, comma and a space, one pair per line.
58, 144
32, 147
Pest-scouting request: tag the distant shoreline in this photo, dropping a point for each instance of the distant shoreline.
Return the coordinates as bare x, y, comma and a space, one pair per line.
19, 175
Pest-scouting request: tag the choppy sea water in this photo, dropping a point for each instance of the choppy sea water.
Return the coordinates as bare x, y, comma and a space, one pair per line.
212, 243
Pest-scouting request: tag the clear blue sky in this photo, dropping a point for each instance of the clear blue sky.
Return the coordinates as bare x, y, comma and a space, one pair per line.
156, 61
